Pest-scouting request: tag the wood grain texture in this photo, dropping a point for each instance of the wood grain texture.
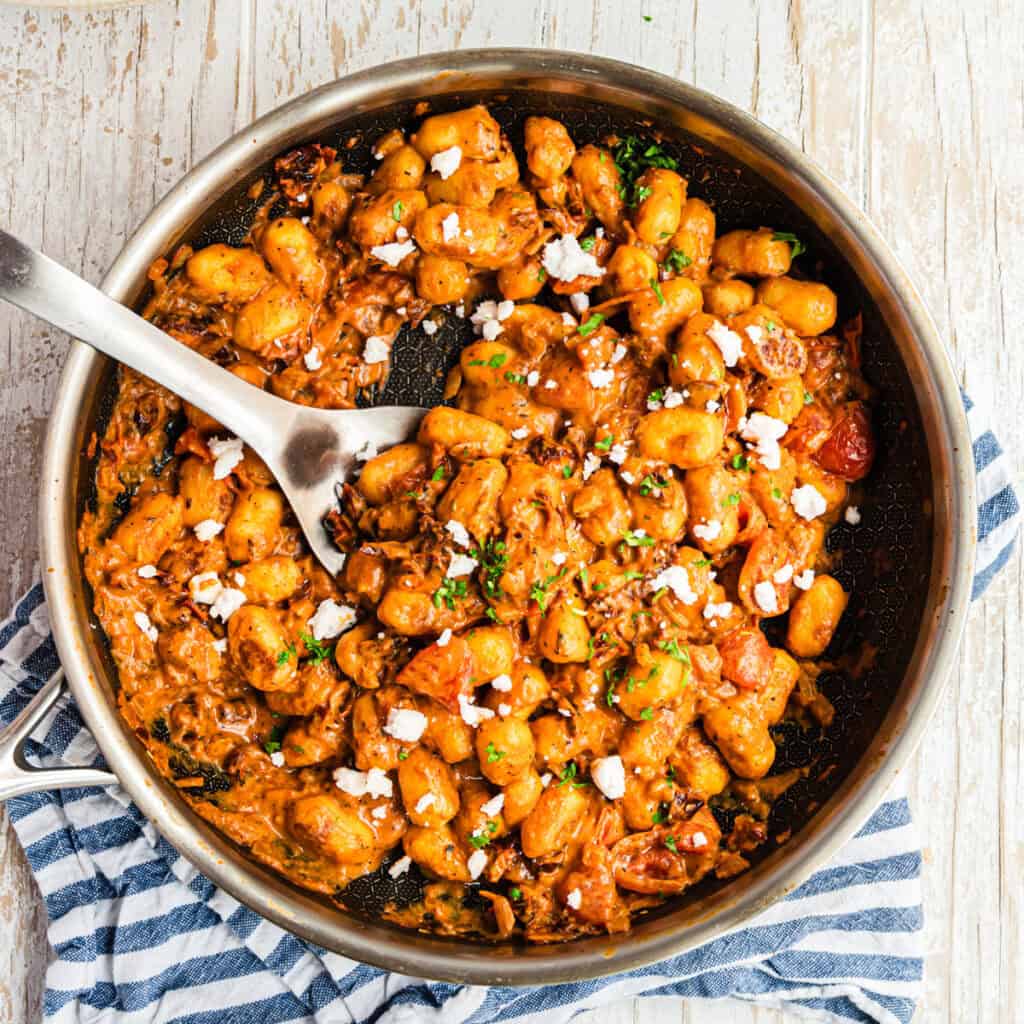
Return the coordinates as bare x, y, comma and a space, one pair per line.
913, 107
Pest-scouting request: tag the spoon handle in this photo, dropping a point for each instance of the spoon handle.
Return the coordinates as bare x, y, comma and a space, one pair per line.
43, 287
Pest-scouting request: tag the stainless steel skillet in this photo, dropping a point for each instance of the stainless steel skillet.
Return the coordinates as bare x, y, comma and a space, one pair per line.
909, 564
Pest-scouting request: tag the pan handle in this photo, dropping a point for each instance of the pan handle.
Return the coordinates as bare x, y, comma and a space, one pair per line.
17, 776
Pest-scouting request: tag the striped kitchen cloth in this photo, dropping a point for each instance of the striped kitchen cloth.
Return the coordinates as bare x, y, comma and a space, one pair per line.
140, 936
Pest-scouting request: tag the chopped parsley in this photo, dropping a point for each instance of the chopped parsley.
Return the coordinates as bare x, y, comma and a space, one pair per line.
403, 754
656, 396
808, 398
478, 840
496, 361
732, 500
566, 472
605, 443
660, 815
637, 540
677, 260
568, 777
593, 322
493, 754
671, 648
284, 655
647, 17
515, 893
539, 591
632, 574
670, 843
542, 275
515, 378
448, 592
657, 291
701, 563
438, 474
396, 212
272, 744
494, 561
740, 462
316, 649
796, 245
587, 245
650, 482
632, 158
776, 494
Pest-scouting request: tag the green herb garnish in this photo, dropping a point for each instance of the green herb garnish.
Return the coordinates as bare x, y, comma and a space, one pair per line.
671, 648
677, 260
316, 649
438, 474
797, 246
566, 472
515, 378
637, 540
284, 655
493, 754
657, 291
632, 158
650, 482
593, 322
605, 443
449, 592
670, 843
587, 244
740, 462
396, 212
494, 561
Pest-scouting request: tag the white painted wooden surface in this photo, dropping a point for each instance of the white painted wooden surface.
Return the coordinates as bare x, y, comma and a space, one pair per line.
914, 107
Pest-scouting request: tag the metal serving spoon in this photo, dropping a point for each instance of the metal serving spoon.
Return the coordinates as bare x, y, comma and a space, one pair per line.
309, 451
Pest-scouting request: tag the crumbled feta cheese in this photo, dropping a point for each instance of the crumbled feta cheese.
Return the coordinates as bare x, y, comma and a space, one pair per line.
550, 385
565, 712
609, 776
580, 302
147, 572
226, 603
227, 453
569, 320
221, 645
783, 575
494, 805
376, 349
765, 432
405, 724
400, 867
532, 378
331, 619
618, 454
708, 531
754, 333
627, 477
599, 232
711, 405
505, 309
204, 587
804, 579
491, 329
207, 529
600, 378
429, 329
619, 353
312, 359
446, 162
472, 714
444, 639
238, 578
564, 260
147, 627
350, 781
729, 343
504, 710
401, 233
591, 464
460, 311
766, 598
807, 502
476, 863
502, 683
450, 227
559, 557
851, 515
575, 899
425, 802
393, 252
677, 580
545, 779
380, 812
277, 759
459, 534
699, 840
378, 783
717, 611
520, 433
461, 565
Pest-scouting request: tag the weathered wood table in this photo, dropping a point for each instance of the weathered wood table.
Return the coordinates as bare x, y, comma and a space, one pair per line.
914, 108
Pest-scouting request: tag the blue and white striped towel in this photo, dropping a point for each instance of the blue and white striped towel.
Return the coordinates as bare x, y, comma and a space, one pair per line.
141, 936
